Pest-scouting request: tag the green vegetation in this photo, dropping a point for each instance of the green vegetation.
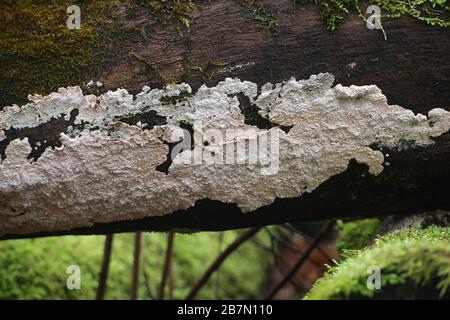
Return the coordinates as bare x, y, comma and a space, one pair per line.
410, 260
355, 235
414, 263
36, 268
171, 11
207, 71
334, 12
38, 53
264, 17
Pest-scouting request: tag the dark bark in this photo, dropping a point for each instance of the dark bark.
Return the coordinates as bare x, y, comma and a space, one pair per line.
411, 68
167, 266
137, 259
105, 267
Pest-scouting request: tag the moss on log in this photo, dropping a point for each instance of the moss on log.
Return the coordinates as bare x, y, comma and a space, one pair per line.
414, 264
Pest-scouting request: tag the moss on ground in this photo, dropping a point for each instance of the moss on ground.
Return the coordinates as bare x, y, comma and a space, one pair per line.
356, 234
411, 261
36, 268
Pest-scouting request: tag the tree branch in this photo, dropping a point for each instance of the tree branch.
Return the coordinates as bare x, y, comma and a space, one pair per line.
137, 258
105, 267
219, 260
74, 163
287, 278
167, 265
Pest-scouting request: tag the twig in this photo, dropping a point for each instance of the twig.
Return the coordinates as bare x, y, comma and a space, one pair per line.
272, 248
325, 229
288, 245
171, 281
277, 257
103, 277
283, 269
275, 253
167, 265
290, 228
147, 284
218, 282
219, 260
138, 236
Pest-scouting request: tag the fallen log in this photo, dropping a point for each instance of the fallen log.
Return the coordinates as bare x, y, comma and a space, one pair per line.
347, 140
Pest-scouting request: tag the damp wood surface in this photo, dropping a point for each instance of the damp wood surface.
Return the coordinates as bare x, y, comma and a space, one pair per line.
411, 68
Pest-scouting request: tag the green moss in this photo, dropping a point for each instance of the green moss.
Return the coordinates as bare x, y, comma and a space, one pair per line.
414, 258
36, 268
264, 17
355, 235
38, 53
178, 12
207, 71
171, 11
334, 12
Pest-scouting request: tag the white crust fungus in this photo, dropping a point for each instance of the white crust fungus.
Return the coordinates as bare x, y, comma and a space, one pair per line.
109, 174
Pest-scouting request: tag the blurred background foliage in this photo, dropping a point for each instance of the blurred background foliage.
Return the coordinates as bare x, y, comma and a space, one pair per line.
414, 263
36, 268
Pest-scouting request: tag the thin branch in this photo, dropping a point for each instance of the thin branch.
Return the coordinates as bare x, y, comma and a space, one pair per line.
272, 249
138, 237
275, 253
218, 279
283, 269
289, 227
325, 229
279, 260
262, 246
167, 265
103, 277
219, 260
288, 245
147, 284
171, 280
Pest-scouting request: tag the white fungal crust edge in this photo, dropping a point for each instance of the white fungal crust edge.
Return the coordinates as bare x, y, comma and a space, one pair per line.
107, 171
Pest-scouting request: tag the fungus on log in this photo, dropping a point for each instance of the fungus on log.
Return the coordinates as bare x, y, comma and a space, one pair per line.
247, 128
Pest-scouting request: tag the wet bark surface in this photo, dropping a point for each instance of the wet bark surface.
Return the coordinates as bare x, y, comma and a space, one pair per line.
411, 67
